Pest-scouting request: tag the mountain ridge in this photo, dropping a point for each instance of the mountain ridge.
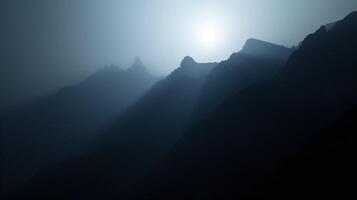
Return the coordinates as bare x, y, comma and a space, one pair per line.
233, 150
257, 62
276, 103
58, 126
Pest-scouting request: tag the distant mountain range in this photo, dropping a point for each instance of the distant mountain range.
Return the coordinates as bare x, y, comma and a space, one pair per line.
163, 115
57, 126
269, 122
252, 139
141, 136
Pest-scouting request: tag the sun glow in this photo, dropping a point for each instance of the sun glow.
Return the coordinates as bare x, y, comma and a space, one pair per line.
208, 35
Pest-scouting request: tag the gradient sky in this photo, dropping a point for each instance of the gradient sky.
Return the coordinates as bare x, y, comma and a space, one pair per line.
49, 44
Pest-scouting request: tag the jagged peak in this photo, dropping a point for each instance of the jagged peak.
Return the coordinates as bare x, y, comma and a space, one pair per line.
188, 61
190, 68
137, 61
137, 65
252, 43
265, 49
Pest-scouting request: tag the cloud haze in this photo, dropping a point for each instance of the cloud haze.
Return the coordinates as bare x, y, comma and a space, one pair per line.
49, 44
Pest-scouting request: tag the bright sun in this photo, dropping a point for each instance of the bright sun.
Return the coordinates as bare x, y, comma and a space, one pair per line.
209, 35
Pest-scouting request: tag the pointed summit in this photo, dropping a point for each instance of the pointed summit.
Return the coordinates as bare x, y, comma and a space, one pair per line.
254, 44
137, 61
187, 62
137, 66
265, 49
189, 67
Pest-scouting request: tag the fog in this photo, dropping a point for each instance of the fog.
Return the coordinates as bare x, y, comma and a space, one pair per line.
46, 45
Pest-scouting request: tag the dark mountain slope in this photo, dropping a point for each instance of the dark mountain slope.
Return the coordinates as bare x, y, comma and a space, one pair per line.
323, 168
257, 62
136, 141
247, 137
246, 141
267, 50
57, 126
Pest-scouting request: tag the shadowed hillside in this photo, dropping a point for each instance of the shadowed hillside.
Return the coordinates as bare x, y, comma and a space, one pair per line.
57, 126
269, 122
323, 167
249, 136
135, 141
257, 62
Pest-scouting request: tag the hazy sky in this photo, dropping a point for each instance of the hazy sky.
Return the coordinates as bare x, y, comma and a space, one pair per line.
52, 43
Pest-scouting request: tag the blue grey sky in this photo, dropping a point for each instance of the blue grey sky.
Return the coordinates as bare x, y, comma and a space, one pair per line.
49, 44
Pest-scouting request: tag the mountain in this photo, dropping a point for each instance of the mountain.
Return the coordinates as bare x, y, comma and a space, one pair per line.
257, 62
263, 135
166, 107
133, 144
236, 149
137, 68
57, 126
322, 168
147, 132
153, 125
267, 50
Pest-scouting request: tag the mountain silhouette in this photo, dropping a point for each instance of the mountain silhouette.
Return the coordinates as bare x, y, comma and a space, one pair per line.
137, 68
192, 69
322, 168
57, 126
269, 122
136, 140
249, 139
267, 50
153, 125
257, 62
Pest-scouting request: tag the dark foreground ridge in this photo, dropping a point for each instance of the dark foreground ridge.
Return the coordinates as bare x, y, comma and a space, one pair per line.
269, 122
